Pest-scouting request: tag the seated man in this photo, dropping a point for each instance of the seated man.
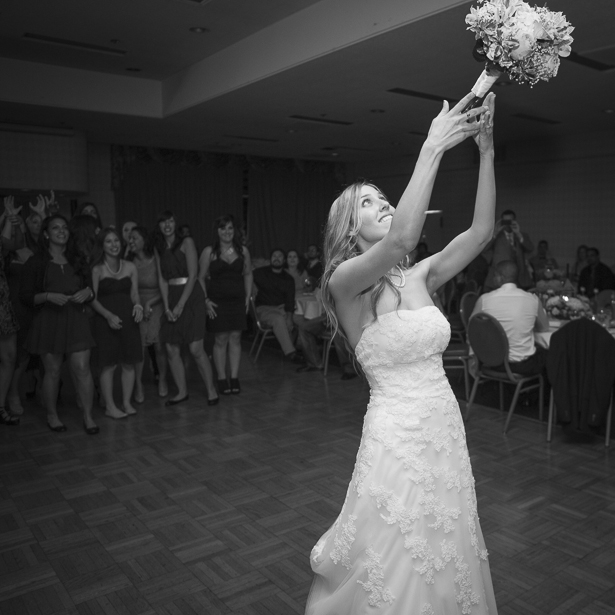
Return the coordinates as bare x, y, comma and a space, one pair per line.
542, 262
520, 313
596, 277
313, 268
275, 301
309, 332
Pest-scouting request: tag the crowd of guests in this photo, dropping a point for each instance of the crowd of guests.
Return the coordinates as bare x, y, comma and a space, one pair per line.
98, 298
508, 270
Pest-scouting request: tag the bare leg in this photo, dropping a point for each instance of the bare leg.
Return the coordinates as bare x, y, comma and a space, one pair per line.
106, 389
84, 384
13, 394
139, 393
51, 380
202, 362
234, 352
161, 360
220, 344
176, 366
128, 383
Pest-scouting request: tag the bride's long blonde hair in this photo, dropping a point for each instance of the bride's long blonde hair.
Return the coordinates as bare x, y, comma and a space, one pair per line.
340, 244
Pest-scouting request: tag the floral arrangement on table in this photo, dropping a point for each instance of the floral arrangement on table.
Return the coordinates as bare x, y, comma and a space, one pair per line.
513, 38
567, 307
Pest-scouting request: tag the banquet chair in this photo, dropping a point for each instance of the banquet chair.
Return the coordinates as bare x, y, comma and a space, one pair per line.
490, 345
466, 306
581, 369
263, 332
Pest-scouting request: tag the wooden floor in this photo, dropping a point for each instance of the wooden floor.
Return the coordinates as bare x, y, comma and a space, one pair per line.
215, 510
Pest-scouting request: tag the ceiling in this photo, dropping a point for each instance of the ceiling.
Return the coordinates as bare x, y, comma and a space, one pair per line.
133, 73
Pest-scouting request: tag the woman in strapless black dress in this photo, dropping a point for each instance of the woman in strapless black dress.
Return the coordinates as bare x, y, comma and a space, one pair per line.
225, 271
116, 324
184, 304
58, 287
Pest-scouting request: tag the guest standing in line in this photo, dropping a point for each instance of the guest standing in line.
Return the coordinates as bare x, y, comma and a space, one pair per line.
54, 284
184, 305
225, 272
9, 325
142, 255
116, 324
89, 209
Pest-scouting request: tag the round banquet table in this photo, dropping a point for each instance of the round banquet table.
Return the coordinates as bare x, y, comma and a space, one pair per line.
309, 306
544, 337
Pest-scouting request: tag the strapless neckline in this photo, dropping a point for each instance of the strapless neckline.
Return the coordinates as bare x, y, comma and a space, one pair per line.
380, 316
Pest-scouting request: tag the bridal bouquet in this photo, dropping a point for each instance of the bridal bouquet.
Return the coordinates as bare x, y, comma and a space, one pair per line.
514, 38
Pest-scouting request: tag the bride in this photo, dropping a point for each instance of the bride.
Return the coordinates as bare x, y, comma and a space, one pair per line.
407, 540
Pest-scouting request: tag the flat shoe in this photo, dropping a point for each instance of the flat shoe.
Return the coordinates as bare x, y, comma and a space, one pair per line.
57, 428
213, 402
91, 431
174, 402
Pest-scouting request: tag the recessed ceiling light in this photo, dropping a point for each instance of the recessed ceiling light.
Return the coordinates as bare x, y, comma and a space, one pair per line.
609, 110
199, 30
133, 69
376, 110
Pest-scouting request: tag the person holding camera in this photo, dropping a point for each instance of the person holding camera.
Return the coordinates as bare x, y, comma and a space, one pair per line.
509, 243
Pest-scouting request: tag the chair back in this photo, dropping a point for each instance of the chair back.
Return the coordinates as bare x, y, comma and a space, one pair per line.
254, 314
466, 305
603, 298
488, 340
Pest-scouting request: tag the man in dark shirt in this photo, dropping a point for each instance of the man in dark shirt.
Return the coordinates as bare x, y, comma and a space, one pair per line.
596, 276
313, 269
275, 301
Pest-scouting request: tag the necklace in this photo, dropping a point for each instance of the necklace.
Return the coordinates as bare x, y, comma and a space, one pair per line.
229, 250
111, 270
402, 277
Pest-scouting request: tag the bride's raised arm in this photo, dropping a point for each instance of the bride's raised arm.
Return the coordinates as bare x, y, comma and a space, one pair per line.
446, 264
389, 244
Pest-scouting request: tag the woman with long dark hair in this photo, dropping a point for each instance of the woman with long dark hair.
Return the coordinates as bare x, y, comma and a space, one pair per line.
227, 265
141, 252
58, 288
407, 538
115, 327
183, 300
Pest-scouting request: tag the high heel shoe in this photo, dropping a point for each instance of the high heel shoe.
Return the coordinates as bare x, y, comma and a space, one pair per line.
213, 402
91, 431
224, 387
6, 418
235, 387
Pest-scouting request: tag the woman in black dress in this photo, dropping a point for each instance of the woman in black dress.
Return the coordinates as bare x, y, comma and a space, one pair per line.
116, 324
183, 300
228, 267
9, 222
58, 288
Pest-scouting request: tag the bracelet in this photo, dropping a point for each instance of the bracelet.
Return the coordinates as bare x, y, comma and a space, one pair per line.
137, 306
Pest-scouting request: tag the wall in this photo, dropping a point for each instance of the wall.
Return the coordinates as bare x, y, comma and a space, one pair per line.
562, 190
100, 191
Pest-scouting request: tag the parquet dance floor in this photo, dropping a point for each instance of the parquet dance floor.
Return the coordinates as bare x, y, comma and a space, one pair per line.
215, 510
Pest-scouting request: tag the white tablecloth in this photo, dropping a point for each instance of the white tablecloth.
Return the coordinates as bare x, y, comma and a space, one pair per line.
544, 338
309, 306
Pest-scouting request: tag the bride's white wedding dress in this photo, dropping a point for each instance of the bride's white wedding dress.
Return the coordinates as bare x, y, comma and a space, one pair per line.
407, 540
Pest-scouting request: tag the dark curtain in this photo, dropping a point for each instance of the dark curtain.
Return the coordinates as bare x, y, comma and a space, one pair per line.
288, 203
197, 188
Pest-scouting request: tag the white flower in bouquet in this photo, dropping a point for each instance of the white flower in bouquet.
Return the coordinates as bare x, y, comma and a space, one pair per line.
514, 38
554, 302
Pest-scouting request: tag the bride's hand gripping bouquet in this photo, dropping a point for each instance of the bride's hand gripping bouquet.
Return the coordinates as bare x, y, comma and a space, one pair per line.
512, 37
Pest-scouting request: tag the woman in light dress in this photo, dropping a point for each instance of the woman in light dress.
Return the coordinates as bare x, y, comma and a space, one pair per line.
407, 540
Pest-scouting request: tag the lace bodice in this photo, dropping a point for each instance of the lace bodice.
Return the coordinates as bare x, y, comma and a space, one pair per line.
404, 347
